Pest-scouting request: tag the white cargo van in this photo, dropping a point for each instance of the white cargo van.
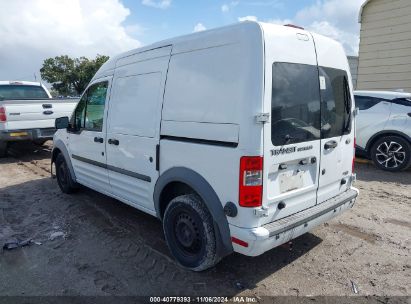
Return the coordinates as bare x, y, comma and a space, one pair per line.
239, 138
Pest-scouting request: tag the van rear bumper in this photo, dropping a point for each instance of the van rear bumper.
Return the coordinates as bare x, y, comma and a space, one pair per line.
266, 237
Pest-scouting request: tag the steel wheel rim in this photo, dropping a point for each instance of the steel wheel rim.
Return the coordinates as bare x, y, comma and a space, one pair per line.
187, 234
390, 154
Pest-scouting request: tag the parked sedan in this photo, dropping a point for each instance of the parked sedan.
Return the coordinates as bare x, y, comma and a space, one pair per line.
384, 128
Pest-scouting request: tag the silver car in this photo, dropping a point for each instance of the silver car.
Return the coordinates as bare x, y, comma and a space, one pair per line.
384, 128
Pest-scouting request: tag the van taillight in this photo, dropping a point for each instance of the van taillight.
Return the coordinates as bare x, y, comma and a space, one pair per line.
251, 181
3, 116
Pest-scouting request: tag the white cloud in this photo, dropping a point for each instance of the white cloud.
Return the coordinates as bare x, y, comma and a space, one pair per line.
228, 6
333, 19
225, 8
199, 27
248, 18
31, 31
163, 4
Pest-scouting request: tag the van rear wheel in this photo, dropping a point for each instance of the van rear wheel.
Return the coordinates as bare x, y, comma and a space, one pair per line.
189, 232
64, 178
391, 153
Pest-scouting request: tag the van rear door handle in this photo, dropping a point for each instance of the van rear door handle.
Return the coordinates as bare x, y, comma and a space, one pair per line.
98, 140
330, 145
113, 142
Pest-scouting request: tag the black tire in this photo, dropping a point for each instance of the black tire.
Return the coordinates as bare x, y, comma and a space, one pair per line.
391, 153
189, 231
64, 178
3, 148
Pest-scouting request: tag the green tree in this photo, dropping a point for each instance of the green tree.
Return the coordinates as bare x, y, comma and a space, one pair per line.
70, 76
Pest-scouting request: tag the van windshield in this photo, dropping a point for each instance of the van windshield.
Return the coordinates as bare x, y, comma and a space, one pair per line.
308, 103
22, 92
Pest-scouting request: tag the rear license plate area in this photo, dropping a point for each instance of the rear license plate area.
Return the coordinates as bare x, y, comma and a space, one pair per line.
291, 180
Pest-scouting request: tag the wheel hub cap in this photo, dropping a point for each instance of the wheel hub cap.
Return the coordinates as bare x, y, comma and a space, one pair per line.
390, 154
185, 232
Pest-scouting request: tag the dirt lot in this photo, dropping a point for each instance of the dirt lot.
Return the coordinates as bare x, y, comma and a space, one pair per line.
95, 245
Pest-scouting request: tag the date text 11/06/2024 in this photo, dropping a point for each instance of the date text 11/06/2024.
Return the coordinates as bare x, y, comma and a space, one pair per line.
236, 299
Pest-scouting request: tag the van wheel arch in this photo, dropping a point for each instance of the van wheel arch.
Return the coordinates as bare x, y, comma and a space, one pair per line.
174, 182
60, 148
171, 191
55, 153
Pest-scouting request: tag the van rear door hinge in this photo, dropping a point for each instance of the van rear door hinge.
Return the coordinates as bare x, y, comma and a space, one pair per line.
262, 118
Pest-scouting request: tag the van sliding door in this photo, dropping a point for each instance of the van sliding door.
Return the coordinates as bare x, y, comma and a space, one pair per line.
134, 126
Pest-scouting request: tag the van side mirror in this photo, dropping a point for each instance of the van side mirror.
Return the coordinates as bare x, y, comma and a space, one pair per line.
62, 123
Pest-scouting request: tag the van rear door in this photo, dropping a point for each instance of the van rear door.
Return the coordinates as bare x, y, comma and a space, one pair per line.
337, 123
292, 137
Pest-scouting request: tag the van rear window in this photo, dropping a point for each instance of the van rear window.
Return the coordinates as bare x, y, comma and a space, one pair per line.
295, 103
336, 103
22, 92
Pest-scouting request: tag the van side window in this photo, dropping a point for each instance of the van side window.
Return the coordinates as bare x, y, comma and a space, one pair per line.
295, 104
335, 103
96, 99
77, 120
89, 112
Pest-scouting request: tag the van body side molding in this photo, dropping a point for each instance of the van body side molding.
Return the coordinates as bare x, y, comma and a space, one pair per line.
112, 168
207, 131
201, 141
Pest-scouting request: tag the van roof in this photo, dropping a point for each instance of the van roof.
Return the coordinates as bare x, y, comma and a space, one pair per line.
205, 39
217, 36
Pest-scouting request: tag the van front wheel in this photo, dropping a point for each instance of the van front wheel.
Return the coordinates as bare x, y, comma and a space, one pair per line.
64, 178
189, 231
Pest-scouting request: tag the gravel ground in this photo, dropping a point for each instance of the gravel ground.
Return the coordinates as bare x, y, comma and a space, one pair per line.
94, 245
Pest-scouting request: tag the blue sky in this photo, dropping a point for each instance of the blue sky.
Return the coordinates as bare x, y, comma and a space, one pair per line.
181, 16
153, 20
33, 30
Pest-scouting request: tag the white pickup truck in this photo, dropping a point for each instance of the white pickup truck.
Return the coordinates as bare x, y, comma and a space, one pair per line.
27, 112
